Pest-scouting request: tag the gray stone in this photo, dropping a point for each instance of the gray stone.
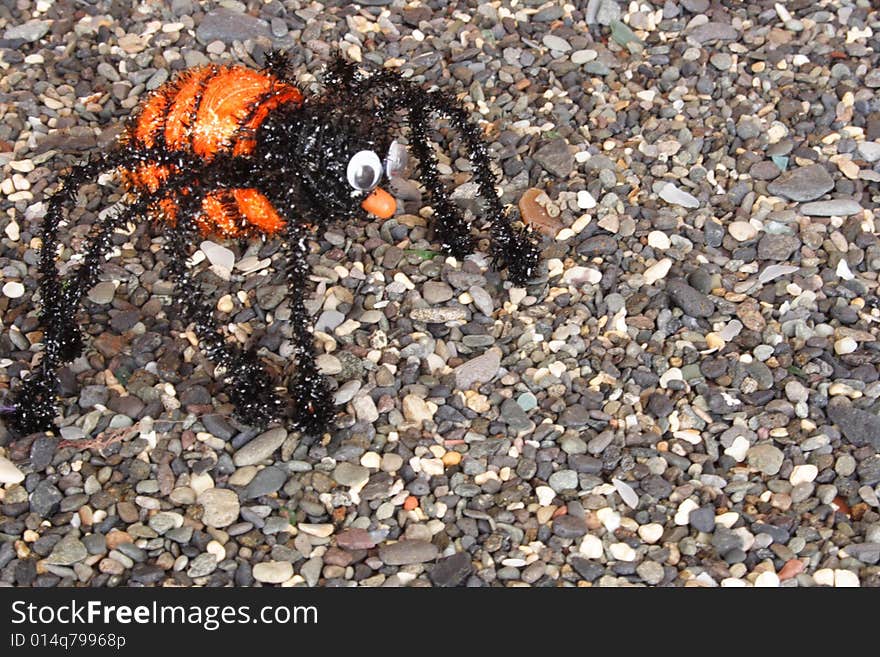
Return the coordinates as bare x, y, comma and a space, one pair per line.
329, 320
220, 507
261, 447
777, 247
857, 426
803, 184
651, 572
868, 470
837, 207
713, 32
273, 572
690, 300
864, 552
703, 519
568, 526
227, 26
574, 416
766, 458
436, 292
481, 369
348, 474
68, 551
598, 245
515, 417
452, 570
563, 480
31, 31
45, 499
267, 481
404, 553
203, 565
556, 158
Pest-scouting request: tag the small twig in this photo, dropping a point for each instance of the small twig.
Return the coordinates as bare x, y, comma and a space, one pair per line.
102, 440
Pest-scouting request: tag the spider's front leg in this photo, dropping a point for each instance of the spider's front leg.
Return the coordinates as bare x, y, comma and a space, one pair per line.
312, 403
251, 388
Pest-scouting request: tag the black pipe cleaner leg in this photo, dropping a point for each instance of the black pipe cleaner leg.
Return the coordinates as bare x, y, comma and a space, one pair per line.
515, 249
251, 388
312, 404
453, 230
62, 341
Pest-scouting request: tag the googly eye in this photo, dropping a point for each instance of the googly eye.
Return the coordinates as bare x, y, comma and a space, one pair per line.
395, 161
364, 170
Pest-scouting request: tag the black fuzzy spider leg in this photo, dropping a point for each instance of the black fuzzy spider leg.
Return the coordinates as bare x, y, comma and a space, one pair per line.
312, 404
35, 399
453, 230
515, 249
251, 388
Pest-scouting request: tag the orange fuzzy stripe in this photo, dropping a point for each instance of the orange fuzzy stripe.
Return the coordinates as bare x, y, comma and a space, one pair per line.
257, 211
225, 104
180, 112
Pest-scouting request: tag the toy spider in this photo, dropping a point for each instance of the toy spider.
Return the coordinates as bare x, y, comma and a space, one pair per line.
234, 152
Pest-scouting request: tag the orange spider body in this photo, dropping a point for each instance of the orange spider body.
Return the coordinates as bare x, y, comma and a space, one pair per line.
205, 112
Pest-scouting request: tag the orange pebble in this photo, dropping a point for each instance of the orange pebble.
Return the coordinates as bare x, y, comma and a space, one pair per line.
410, 503
451, 458
792, 568
561, 511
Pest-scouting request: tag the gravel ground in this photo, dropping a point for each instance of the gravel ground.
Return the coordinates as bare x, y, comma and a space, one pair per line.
687, 395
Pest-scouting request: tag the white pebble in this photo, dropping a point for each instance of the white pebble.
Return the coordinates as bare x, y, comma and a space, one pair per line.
824, 577
683, 515
622, 552
13, 232
659, 240
9, 472
845, 345
371, 460
737, 450
657, 271
651, 532
672, 374
591, 547
843, 270
627, 494
742, 231
585, 200
609, 518
13, 289
767, 579
218, 255
672, 194
803, 474
545, 495
846, 579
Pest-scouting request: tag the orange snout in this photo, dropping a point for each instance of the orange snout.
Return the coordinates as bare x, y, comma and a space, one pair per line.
380, 203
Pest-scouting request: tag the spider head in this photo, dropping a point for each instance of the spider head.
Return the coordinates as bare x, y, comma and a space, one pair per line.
338, 158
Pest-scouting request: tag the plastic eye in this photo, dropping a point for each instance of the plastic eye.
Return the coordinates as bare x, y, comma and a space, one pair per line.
395, 161
364, 170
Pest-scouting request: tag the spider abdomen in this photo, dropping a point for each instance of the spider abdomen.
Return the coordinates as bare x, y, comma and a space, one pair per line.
204, 113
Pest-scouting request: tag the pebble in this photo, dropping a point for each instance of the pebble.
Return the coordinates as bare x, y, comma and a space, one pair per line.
803, 183
478, 370
9, 472
839, 207
742, 231
691, 301
260, 448
273, 572
675, 196
859, 427
404, 553
13, 290
220, 507
765, 458
657, 271
452, 570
